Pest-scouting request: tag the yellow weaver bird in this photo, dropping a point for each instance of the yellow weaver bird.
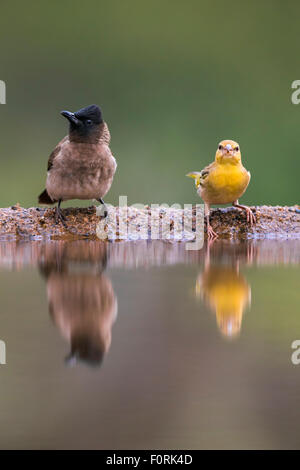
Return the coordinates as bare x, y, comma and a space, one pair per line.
223, 182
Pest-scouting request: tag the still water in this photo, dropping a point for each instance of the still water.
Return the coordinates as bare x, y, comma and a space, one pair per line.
147, 345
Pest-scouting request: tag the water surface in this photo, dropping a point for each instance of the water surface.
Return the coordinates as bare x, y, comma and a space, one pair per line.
147, 345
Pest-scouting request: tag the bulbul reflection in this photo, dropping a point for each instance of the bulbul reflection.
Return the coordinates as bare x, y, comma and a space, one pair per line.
227, 293
82, 302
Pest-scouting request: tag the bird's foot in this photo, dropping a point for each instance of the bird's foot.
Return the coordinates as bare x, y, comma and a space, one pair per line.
210, 242
104, 211
59, 217
250, 254
211, 234
251, 219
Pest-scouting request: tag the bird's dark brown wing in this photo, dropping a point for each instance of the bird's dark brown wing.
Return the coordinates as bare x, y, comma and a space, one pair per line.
55, 153
205, 172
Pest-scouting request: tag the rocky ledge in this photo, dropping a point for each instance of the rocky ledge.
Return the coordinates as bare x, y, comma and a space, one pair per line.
38, 223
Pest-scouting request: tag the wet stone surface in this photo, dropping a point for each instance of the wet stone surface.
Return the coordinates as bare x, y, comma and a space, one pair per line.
39, 223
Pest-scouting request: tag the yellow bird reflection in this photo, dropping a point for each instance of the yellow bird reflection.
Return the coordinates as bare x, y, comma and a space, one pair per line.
227, 293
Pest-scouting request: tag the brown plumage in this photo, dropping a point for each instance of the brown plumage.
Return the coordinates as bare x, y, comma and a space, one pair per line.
81, 166
82, 301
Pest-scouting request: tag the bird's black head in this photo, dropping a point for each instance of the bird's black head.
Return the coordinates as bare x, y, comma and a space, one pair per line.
85, 123
87, 349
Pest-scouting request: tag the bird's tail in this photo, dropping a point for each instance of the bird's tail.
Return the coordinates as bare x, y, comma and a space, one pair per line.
44, 198
196, 175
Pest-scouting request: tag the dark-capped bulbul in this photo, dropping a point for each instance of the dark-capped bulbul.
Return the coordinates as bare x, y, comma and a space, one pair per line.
81, 166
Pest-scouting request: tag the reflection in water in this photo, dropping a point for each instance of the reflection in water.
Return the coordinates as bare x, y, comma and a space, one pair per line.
227, 293
81, 299
17, 256
82, 302
170, 380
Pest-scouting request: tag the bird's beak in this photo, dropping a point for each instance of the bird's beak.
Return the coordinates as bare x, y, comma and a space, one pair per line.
71, 117
228, 147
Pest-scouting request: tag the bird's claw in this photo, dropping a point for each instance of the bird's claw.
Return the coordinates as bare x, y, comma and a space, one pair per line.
104, 212
251, 219
59, 217
211, 234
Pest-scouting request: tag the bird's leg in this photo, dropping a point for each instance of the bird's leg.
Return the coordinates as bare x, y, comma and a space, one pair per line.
59, 215
250, 216
250, 253
211, 234
207, 255
103, 208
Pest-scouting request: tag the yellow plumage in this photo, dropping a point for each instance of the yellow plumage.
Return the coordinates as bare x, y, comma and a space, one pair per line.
224, 181
227, 293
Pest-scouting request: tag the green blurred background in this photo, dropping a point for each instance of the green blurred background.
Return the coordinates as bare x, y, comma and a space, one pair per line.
173, 78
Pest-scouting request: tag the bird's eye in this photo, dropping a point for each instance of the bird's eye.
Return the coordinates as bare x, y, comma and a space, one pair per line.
220, 147
88, 122
236, 149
